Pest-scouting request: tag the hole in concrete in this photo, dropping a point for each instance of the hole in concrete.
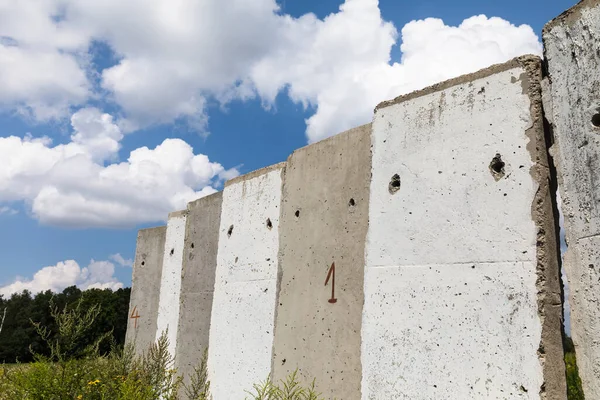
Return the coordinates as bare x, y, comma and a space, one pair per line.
143, 263
351, 203
596, 120
269, 224
192, 245
230, 231
297, 213
236, 259
394, 185
497, 167
172, 251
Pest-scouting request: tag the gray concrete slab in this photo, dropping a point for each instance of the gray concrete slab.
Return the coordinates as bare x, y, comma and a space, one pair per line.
324, 220
145, 287
197, 282
572, 105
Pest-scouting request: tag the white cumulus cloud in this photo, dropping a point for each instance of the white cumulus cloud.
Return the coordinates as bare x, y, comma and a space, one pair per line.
77, 185
98, 274
342, 66
42, 60
177, 55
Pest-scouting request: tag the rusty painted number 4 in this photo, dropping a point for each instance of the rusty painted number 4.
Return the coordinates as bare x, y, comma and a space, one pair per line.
134, 315
331, 274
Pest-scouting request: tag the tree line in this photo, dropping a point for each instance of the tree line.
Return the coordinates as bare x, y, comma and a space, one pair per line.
18, 336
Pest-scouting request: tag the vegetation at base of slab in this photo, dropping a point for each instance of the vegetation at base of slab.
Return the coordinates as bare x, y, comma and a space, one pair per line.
289, 389
18, 334
75, 368
574, 387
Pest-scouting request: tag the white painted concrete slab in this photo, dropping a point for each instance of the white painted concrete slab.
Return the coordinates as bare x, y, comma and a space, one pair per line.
450, 279
242, 320
170, 285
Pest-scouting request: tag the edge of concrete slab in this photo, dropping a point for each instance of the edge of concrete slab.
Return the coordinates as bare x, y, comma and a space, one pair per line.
544, 215
521, 61
153, 228
255, 173
176, 214
571, 15
195, 203
346, 132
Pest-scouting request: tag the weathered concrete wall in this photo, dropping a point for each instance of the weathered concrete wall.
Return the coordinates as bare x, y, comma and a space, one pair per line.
573, 108
170, 286
459, 245
146, 281
323, 220
197, 281
243, 311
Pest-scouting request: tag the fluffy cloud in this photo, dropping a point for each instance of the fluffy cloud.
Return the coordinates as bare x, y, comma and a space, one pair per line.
98, 274
344, 69
176, 55
74, 184
42, 61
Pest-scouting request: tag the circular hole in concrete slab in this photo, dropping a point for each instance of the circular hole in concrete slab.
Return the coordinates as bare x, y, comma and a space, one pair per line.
192, 245
297, 213
143, 263
395, 184
269, 224
497, 167
230, 231
596, 120
172, 251
351, 203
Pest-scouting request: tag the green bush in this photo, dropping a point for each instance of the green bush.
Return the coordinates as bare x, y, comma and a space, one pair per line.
77, 370
574, 388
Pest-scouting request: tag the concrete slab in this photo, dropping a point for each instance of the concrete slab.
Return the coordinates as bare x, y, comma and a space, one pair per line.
145, 285
243, 310
573, 108
324, 220
197, 282
170, 285
461, 277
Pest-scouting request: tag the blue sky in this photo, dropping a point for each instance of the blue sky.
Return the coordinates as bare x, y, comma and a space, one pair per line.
243, 86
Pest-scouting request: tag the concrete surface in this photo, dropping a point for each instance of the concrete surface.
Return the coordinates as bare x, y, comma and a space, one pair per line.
197, 282
170, 286
461, 239
572, 105
243, 310
323, 220
145, 285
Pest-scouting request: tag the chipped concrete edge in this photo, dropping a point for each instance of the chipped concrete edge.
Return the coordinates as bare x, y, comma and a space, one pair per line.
255, 174
571, 15
545, 216
491, 70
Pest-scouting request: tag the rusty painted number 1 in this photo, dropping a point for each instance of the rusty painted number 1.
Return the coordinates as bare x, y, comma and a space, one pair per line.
331, 274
